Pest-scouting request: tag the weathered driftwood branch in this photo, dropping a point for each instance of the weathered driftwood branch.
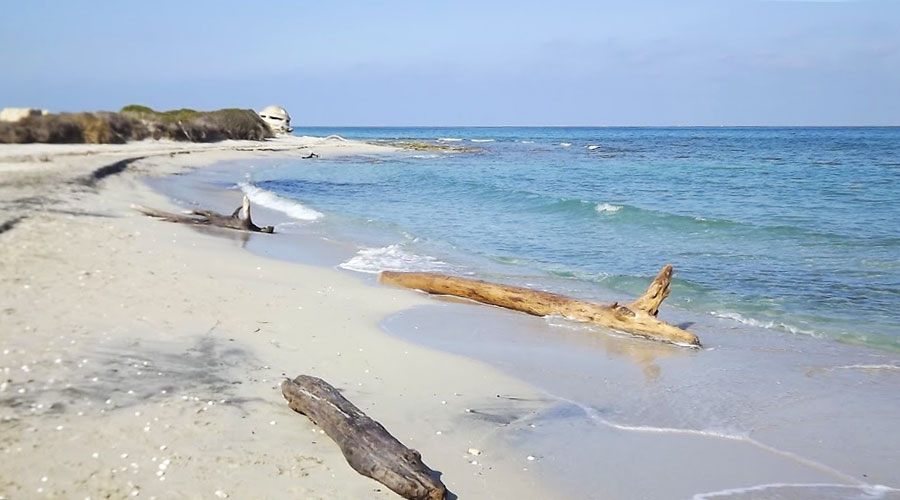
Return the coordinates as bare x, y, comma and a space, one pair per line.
638, 318
367, 446
239, 220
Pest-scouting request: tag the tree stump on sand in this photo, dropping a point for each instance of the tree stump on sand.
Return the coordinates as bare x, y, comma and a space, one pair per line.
368, 447
637, 318
239, 220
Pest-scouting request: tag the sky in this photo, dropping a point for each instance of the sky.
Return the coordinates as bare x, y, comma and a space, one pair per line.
466, 63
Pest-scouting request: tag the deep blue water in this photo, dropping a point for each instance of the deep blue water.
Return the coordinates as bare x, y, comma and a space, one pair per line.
794, 229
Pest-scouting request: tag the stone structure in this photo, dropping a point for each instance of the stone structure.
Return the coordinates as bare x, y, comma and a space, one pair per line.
18, 114
277, 118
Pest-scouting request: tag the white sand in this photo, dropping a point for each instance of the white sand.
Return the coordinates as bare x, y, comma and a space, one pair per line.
144, 358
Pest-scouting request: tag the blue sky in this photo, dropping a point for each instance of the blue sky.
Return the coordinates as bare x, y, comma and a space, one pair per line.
724, 62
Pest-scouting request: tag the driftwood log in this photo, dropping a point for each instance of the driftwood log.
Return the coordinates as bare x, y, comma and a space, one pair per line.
239, 220
368, 447
637, 318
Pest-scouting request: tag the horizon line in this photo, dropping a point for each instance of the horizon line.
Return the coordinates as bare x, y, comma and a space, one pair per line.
596, 126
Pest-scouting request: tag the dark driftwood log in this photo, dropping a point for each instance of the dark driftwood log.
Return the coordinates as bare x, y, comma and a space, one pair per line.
638, 318
239, 220
367, 446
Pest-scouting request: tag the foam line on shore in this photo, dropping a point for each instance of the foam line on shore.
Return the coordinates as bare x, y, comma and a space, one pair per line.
872, 491
849, 480
868, 367
595, 416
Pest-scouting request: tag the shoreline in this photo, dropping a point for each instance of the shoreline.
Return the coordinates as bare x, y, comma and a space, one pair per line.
145, 357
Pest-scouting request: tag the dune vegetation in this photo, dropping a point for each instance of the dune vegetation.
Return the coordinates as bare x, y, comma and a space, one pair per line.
134, 123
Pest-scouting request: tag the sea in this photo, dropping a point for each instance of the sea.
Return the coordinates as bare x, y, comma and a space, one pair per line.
790, 229
786, 249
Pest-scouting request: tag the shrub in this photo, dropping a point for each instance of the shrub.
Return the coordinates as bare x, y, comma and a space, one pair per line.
136, 108
62, 128
137, 122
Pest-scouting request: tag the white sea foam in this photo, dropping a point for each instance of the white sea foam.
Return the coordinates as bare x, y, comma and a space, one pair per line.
596, 417
868, 367
871, 491
449, 139
271, 200
565, 144
593, 147
482, 140
769, 325
574, 324
710, 433
527, 142
391, 258
607, 208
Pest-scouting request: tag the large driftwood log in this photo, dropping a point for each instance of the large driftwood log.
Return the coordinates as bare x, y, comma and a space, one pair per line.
367, 446
638, 318
239, 220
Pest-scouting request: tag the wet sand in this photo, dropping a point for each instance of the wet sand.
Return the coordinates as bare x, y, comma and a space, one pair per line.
755, 414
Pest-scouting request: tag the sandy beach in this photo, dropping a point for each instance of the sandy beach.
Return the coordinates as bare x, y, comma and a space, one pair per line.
143, 359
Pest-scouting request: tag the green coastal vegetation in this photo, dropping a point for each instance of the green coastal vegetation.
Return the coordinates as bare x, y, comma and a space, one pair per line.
136, 122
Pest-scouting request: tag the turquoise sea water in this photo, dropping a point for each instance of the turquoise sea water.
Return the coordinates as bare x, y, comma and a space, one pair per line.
791, 229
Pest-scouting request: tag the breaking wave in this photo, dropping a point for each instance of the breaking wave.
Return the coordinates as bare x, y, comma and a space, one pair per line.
391, 258
769, 325
271, 200
607, 208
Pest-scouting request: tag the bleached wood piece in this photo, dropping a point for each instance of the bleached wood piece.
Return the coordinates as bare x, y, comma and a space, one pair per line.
638, 318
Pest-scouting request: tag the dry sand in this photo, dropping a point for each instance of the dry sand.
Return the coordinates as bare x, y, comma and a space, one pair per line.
143, 358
